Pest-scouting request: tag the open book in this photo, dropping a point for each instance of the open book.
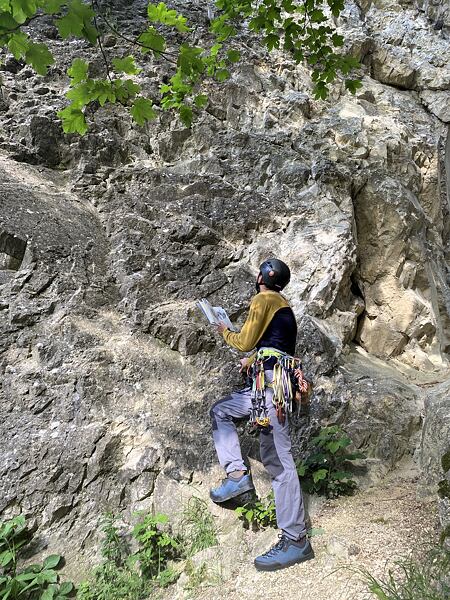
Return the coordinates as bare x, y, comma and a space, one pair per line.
215, 314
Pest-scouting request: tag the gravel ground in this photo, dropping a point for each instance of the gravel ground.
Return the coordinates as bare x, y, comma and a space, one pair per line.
369, 530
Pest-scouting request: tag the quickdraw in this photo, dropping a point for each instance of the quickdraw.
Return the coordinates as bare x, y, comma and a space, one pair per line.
259, 416
288, 385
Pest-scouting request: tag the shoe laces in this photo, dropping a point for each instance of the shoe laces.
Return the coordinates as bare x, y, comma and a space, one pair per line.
280, 545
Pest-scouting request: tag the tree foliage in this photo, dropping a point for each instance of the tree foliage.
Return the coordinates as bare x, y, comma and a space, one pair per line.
303, 29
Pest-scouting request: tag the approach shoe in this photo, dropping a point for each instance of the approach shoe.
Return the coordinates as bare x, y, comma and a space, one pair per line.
230, 488
284, 553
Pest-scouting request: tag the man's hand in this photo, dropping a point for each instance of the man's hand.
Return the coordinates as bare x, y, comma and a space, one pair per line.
221, 327
244, 363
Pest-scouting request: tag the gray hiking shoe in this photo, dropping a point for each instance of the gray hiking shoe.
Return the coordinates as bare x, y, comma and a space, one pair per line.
284, 553
231, 488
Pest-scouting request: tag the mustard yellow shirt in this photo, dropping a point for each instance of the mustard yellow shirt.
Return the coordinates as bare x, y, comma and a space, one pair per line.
262, 310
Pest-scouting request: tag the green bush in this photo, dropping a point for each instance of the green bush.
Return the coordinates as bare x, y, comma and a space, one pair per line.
198, 527
324, 471
125, 576
258, 514
156, 546
39, 581
427, 579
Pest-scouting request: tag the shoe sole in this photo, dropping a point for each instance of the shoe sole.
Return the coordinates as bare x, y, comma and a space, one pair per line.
247, 488
277, 567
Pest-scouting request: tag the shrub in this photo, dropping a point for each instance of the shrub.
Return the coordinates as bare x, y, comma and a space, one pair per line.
258, 514
34, 581
125, 576
324, 471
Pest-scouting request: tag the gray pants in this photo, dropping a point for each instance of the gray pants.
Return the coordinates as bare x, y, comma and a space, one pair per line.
276, 455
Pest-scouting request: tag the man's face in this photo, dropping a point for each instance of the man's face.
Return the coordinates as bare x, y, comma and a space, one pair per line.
259, 280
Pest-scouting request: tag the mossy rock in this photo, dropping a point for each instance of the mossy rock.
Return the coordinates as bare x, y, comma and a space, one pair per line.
444, 488
445, 461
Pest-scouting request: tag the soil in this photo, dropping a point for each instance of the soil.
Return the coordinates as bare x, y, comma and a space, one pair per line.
370, 530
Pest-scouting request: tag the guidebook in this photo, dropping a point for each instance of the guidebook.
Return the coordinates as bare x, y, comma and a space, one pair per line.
215, 314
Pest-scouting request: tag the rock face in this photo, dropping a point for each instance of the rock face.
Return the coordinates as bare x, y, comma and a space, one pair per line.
435, 449
107, 367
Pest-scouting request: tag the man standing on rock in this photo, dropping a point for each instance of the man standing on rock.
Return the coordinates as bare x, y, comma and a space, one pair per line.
271, 329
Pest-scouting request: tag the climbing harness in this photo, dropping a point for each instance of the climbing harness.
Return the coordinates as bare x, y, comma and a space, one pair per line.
288, 385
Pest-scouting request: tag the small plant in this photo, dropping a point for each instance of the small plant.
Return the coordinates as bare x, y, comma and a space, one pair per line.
39, 581
259, 514
124, 576
427, 579
199, 529
156, 546
324, 471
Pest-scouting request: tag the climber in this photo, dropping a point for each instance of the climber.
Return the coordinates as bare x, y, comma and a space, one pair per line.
270, 328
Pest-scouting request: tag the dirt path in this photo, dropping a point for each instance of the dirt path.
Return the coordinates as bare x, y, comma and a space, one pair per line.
368, 530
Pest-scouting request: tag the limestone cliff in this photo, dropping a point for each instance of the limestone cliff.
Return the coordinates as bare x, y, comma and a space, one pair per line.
107, 241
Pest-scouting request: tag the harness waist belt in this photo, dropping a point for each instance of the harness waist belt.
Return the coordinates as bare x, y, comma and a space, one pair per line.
269, 352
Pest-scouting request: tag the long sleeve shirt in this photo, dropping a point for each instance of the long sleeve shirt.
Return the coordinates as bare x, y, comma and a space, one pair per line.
270, 324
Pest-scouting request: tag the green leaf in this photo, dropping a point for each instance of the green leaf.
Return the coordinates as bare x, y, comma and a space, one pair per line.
161, 14
22, 9
65, 588
52, 561
376, 589
189, 60
142, 111
52, 7
222, 74
233, 56
249, 515
337, 40
153, 40
319, 475
78, 22
18, 44
353, 85
126, 65
186, 115
215, 49
81, 94
48, 594
272, 41
8, 23
301, 470
5, 558
28, 576
125, 89
78, 72
320, 91
5, 5
317, 16
334, 446
39, 57
103, 92
201, 100
67, 26
73, 120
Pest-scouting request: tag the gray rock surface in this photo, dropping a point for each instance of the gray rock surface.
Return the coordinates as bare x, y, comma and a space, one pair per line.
435, 449
107, 369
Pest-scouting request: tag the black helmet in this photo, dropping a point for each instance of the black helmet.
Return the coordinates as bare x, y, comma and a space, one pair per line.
275, 274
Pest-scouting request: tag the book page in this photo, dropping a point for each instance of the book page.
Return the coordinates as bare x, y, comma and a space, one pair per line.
207, 310
215, 314
222, 316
